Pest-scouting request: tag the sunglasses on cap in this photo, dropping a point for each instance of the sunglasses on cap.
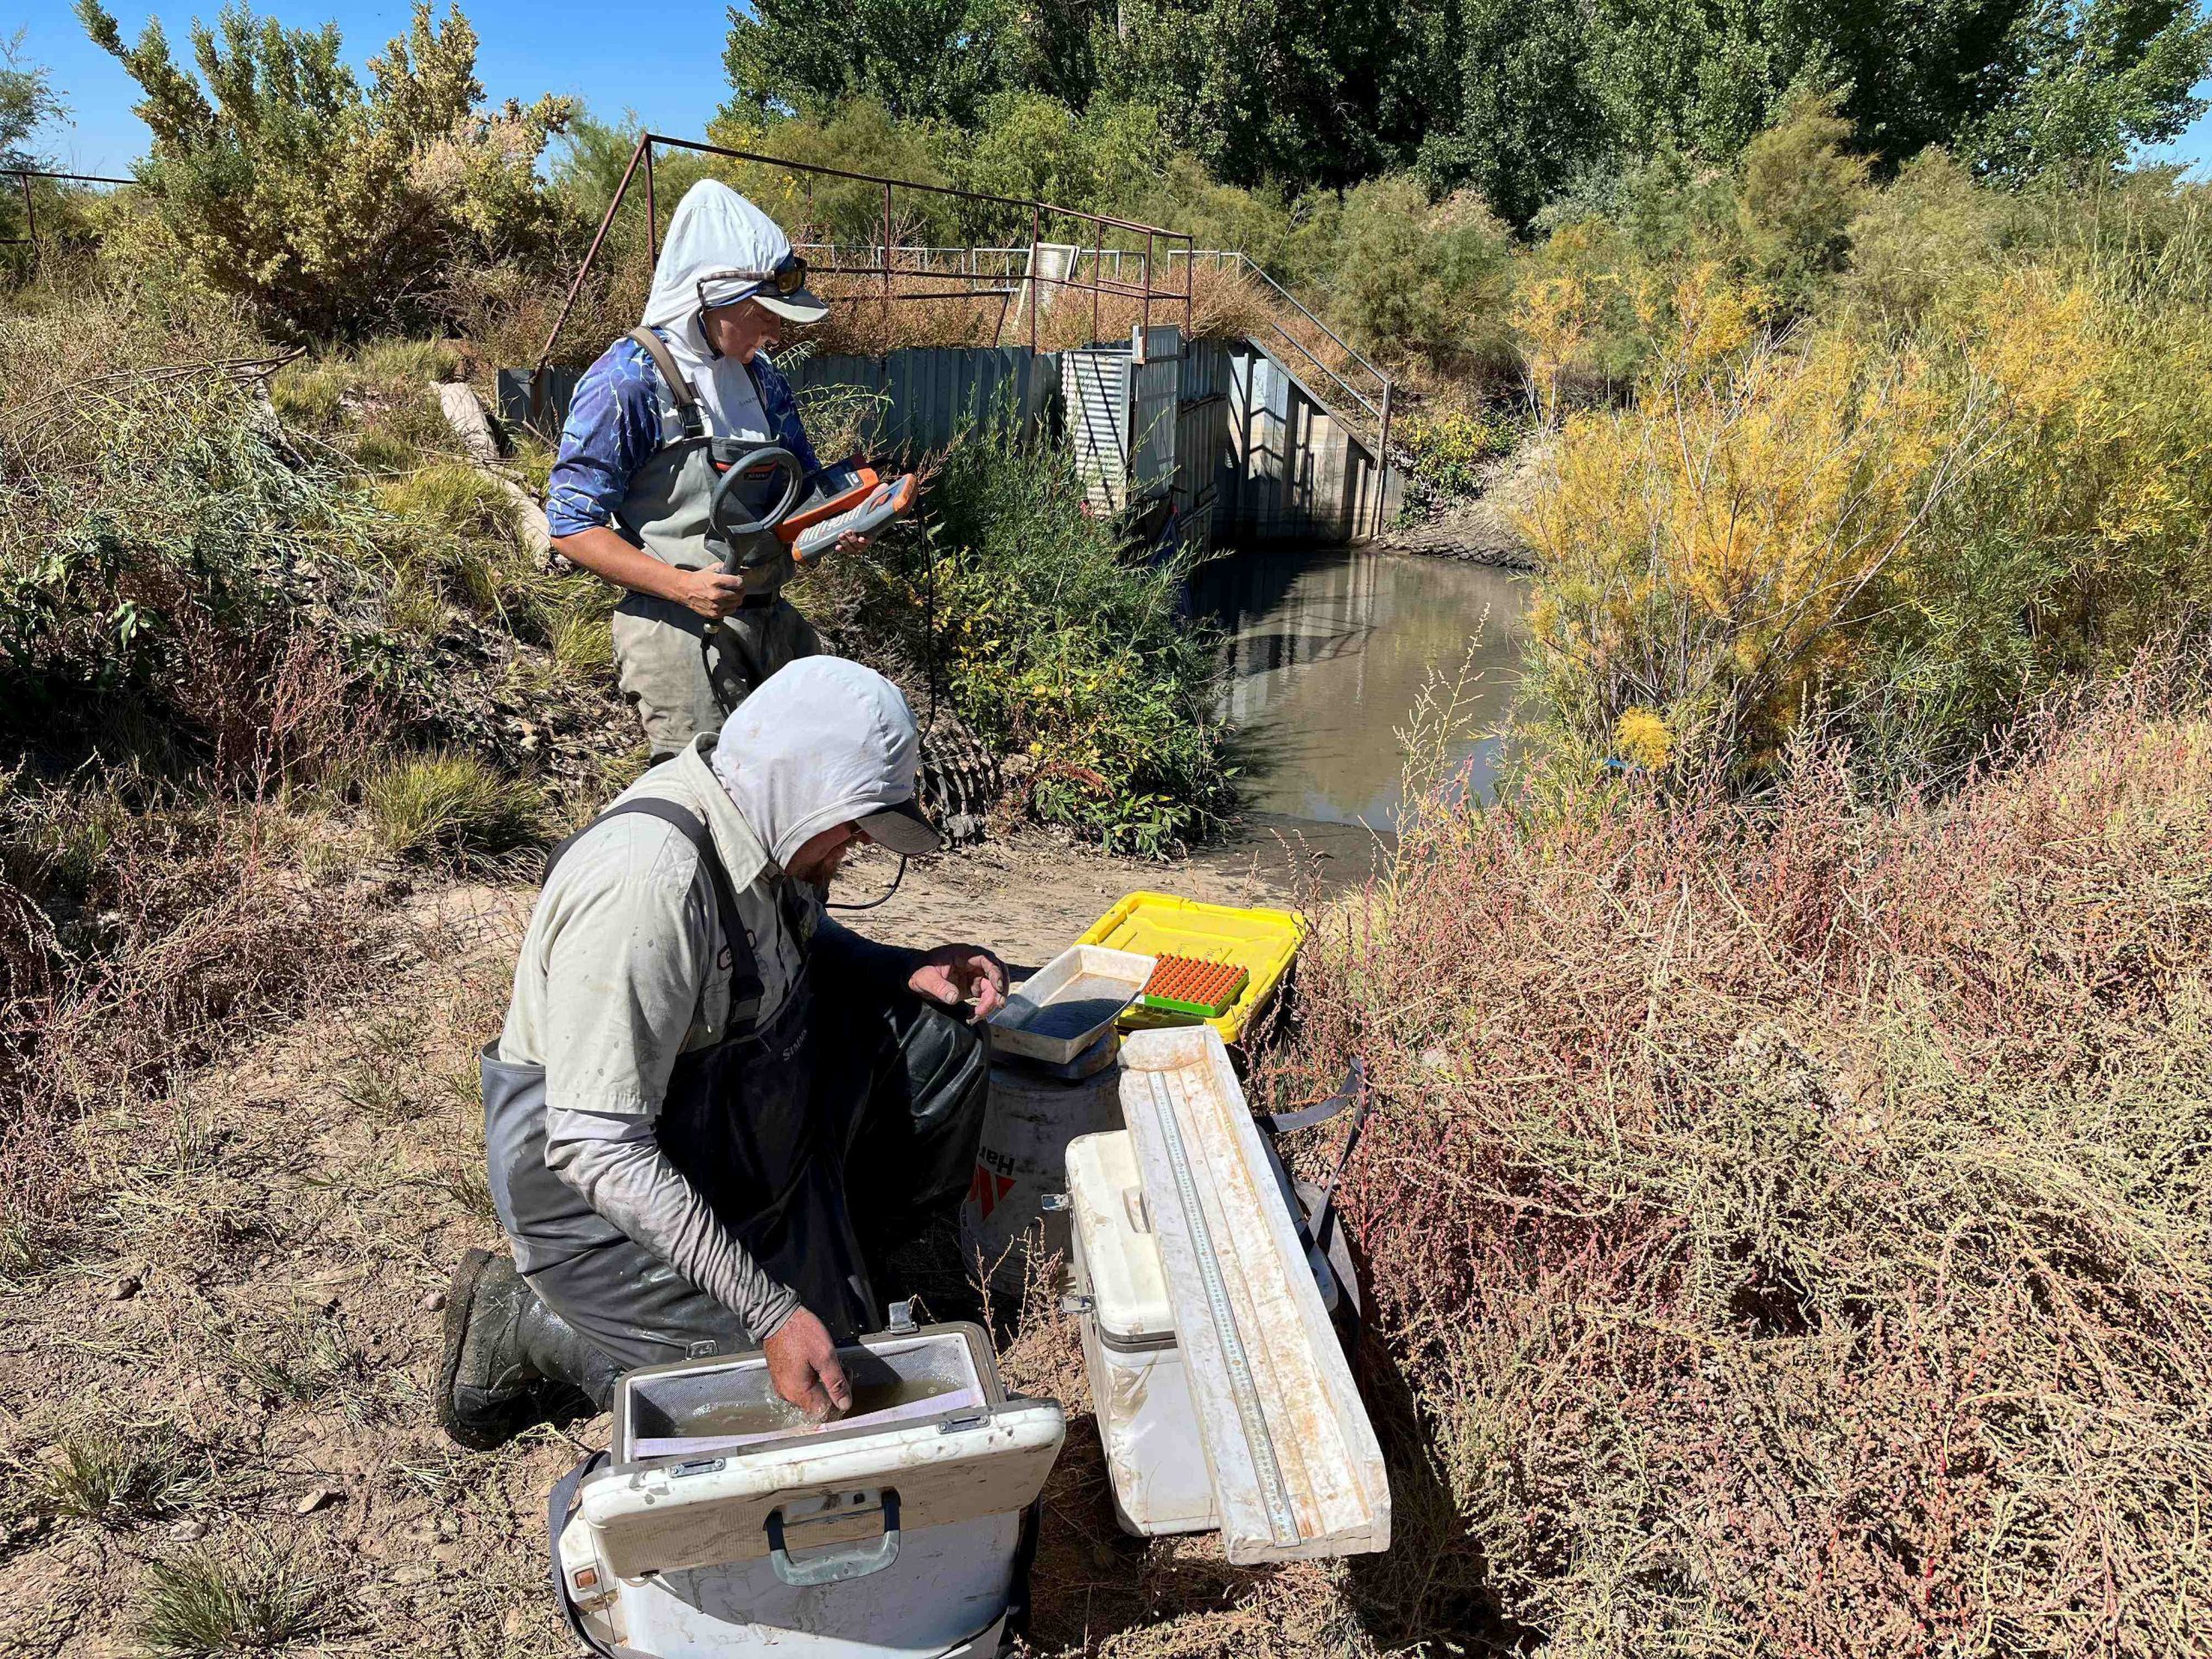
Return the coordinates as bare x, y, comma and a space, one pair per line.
786, 279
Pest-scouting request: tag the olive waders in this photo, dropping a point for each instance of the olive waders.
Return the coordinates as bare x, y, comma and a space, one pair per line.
683, 673
841, 1127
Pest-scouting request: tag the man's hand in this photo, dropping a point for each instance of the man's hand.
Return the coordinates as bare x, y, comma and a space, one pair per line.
953, 973
803, 1364
713, 593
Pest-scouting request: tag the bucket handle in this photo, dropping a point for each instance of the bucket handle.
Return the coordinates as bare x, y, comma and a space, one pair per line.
836, 1566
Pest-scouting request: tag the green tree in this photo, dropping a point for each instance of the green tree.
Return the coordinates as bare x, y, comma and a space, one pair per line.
921, 60
1802, 189
1421, 278
2092, 78
1296, 92
1541, 99
330, 207
28, 103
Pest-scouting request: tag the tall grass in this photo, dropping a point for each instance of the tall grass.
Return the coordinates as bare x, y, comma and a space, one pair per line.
210, 623
1791, 1221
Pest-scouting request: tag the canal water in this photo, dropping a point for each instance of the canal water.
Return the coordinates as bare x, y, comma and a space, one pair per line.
1328, 651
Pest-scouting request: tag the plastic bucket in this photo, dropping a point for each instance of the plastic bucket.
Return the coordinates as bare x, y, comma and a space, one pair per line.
1021, 1157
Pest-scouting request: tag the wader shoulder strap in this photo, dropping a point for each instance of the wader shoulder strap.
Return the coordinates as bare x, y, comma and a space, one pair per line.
687, 400
745, 985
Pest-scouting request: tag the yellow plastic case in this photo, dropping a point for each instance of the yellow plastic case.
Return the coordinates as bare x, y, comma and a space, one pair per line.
1263, 942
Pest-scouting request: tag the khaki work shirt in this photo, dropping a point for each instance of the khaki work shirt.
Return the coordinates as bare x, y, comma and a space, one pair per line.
622, 968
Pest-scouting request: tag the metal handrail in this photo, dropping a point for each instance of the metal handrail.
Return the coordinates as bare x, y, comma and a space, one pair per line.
1387, 389
886, 250
22, 176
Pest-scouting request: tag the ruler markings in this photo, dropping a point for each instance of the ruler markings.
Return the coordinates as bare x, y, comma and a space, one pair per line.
1282, 1523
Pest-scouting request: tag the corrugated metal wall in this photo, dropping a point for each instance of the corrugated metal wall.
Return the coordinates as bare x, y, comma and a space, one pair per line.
1156, 396
926, 398
1094, 402
1206, 475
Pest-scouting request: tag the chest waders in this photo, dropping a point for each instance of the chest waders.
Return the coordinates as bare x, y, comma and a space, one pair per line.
736, 1121
684, 673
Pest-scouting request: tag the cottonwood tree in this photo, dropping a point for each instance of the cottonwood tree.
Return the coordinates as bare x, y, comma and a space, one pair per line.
330, 206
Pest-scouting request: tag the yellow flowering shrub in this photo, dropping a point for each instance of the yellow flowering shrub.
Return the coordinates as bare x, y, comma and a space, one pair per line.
1911, 533
1700, 548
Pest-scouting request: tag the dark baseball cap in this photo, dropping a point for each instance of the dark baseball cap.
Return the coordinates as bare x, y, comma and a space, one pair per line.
902, 828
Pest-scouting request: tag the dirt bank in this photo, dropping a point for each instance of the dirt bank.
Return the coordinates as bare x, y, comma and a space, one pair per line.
233, 1362
1482, 529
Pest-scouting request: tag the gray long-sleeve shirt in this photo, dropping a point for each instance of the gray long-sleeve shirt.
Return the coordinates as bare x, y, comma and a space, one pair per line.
620, 974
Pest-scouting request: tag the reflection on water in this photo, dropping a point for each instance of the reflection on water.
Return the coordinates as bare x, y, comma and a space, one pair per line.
1328, 651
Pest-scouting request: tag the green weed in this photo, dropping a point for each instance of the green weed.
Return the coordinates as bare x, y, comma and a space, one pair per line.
306, 394
408, 362
211, 1604
1059, 639
456, 499
583, 644
451, 803
305, 1358
114, 1476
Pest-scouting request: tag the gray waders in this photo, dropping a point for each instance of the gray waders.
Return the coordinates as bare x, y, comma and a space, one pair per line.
683, 673
840, 1128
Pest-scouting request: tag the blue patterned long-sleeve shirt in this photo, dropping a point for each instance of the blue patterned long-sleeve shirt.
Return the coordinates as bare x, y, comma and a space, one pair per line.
615, 426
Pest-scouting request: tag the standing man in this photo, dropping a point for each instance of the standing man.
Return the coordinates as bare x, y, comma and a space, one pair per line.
713, 1109
632, 486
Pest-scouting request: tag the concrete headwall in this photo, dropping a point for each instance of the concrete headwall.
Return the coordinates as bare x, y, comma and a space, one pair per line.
1299, 472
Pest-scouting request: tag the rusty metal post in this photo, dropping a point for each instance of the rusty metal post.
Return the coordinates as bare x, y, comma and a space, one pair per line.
652, 208
568, 304
886, 245
1036, 223
1146, 313
1189, 281
1098, 272
30, 220
1382, 460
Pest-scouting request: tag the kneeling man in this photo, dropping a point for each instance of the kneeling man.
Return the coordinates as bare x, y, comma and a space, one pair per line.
712, 1108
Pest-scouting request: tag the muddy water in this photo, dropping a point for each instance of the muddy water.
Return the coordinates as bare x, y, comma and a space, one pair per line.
1328, 651
770, 1414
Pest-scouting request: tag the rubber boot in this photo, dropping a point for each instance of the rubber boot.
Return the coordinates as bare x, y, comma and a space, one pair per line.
510, 1360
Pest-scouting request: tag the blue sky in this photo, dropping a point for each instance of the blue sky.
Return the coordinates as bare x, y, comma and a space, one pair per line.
666, 64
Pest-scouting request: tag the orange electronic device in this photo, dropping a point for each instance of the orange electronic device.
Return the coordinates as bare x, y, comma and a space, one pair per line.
861, 507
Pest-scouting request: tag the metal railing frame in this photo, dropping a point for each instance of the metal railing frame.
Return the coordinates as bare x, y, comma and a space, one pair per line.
1378, 407
885, 254
22, 176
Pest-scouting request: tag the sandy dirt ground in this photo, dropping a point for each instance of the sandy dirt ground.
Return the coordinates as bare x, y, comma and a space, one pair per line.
251, 1311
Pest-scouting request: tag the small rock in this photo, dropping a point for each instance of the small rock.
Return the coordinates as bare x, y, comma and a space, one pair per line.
125, 1287
1436, 1059
319, 1497
433, 1303
190, 1530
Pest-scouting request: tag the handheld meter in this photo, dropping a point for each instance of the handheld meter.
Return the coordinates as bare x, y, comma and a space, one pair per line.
847, 499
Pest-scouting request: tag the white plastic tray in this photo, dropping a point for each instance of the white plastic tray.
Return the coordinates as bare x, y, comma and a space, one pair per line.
1065, 1007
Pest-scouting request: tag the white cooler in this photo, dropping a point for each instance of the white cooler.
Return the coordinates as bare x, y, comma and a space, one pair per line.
1224, 1398
725, 1527
1146, 1419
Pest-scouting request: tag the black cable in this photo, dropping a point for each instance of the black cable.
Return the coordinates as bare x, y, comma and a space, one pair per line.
829, 904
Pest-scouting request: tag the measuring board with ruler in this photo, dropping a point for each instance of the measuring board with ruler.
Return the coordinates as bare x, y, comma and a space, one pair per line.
1297, 1473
